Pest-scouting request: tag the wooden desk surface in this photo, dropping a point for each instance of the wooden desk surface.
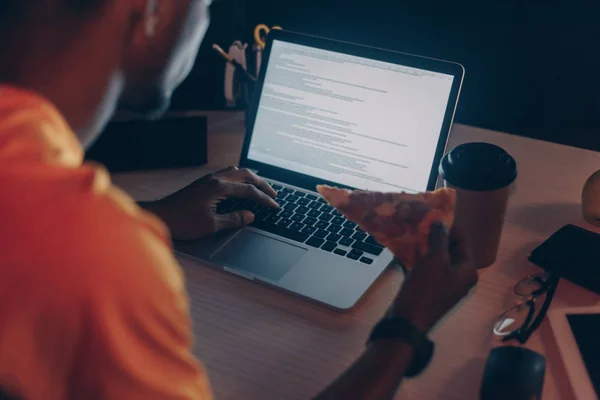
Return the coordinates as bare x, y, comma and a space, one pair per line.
259, 343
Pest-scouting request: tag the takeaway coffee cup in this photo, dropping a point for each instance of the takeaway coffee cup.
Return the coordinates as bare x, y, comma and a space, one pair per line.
482, 175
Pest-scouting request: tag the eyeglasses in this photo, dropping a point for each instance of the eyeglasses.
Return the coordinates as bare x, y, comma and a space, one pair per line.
520, 321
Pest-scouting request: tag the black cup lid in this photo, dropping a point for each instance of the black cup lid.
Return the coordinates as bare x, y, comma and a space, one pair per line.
478, 166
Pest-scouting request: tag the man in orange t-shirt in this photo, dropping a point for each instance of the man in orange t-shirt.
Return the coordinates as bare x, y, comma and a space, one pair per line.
92, 301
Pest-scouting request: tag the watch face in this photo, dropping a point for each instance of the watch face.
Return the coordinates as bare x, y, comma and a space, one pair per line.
402, 330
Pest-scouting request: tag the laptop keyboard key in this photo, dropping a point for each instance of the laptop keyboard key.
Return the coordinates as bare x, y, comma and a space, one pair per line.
321, 200
311, 197
261, 215
299, 193
292, 198
290, 206
296, 226
315, 205
327, 208
263, 207
338, 221
313, 213
325, 217
288, 190
371, 240
285, 213
271, 210
281, 231
315, 242
334, 228
281, 195
322, 224
367, 248
329, 246
297, 217
359, 236
310, 221
347, 232
284, 222
333, 237
340, 252
354, 255
346, 241
349, 225
309, 230
304, 202
336, 213
273, 219
366, 260
321, 233
302, 210
276, 187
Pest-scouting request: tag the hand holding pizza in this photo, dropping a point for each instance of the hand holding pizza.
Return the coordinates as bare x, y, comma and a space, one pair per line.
438, 282
415, 228
399, 221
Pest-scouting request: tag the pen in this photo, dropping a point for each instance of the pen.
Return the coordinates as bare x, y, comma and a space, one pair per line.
247, 75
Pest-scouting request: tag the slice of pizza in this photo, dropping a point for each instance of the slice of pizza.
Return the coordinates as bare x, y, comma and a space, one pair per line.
399, 221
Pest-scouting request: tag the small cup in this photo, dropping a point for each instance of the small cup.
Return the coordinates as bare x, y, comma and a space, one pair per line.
481, 174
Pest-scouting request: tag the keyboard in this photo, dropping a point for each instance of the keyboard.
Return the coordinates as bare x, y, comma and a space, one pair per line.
306, 218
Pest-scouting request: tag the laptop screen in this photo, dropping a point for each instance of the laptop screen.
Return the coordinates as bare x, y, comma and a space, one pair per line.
359, 122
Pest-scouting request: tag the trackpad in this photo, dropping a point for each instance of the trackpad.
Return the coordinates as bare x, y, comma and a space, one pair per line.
259, 255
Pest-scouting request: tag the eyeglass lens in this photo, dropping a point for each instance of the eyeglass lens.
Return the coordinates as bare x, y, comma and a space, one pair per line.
512, 320
532, 286
519, 316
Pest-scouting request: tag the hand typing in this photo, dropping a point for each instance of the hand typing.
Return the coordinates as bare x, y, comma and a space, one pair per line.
191, 212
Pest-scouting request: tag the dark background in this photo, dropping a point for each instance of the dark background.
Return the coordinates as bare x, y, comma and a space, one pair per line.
532, 66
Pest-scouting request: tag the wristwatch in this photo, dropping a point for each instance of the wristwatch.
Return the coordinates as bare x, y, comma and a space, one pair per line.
400, 329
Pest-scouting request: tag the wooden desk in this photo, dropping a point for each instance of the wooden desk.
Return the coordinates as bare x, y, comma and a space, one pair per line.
259, 343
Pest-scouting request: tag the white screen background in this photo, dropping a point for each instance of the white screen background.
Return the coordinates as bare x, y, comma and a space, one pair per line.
355, 121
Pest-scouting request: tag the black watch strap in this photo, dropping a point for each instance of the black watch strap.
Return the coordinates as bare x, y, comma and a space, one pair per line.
400, 329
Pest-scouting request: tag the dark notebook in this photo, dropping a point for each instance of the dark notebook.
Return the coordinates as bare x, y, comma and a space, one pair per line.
574, 254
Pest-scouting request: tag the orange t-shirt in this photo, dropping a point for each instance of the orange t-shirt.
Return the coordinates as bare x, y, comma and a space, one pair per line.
92, 301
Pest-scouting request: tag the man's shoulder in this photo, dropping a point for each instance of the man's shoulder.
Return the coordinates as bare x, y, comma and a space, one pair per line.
73, 226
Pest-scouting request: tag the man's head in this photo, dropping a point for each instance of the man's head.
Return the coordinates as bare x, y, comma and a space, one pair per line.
162, 54
90, 56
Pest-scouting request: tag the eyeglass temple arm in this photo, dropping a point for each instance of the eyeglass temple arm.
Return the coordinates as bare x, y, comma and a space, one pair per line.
526, 332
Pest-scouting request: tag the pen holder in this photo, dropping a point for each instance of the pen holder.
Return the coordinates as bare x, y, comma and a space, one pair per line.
590, 199
238, 88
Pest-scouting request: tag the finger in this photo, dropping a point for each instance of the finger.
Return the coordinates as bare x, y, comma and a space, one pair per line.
247, 191
245, 175
234, 220
226, 170
438, 239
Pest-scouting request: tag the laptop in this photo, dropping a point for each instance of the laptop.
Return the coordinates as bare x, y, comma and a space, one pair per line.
330, 112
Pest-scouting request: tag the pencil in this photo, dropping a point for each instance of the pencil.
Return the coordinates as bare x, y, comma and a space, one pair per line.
247, 75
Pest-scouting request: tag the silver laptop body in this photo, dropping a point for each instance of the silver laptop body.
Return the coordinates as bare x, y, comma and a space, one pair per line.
340, 114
